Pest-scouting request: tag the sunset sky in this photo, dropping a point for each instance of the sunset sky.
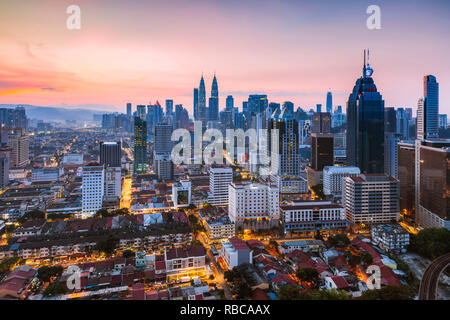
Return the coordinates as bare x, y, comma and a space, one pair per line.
142, 51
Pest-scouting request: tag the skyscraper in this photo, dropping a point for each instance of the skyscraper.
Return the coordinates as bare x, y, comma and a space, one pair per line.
141, 111
321, 122
19, 142
163, 134
365, 125
229, 103
213, 112
329, 102
110, 154
140, 145
129, 110
169, 107
195, 104
201, 111
428, 109
92, 190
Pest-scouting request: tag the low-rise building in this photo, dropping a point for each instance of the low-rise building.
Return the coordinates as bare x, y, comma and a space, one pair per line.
390, 237
235, 252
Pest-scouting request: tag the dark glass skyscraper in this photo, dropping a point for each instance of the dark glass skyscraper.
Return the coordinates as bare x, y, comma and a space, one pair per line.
213, 111
365, 125
329, 102
428, 109
140, 145
201, 112
195, 104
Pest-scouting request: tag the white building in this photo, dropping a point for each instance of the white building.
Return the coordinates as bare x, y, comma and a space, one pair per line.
298, 185
219, 180
235, 252
181, 193
309, 216
254, 205
92, 191
73, 158
371, 199
390, 237
332, 178
113, 179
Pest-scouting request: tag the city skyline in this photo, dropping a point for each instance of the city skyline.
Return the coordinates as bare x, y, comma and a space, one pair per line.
158, 52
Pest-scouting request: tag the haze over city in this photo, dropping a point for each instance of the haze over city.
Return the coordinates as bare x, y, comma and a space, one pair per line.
143, 51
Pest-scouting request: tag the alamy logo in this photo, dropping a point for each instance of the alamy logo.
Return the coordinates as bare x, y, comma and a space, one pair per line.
73, 22
374, 280
74, 280
374, 20
251, 146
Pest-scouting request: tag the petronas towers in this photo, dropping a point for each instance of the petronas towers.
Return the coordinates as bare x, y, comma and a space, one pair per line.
202, 112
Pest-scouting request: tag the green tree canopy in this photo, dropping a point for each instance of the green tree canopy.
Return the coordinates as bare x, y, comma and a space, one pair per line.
431, 243
45, 273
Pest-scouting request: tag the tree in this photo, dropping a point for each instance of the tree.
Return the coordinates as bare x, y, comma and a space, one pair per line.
211, 277
101, 213
128, 253
288, 292
431, 243
54, 289
332, 294
308, 274
366, 258
242, 289
7, 264
340, 240
46, 273
32, 215
388, 293
193, 218
108, 245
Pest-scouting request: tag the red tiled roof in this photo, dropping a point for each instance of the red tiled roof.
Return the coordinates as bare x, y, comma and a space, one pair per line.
340, 282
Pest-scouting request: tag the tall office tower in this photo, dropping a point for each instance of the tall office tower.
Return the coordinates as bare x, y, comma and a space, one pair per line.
428, 109
289, 107
257, 103
163, 166
141, 111
321, 122
402, 123
365, 125
20, 147
129, 110
339, 109
371, 199
443, 121
5, 154
333, 176
111, 154
163, 135
213, 111
253, 205
322, 146
245, 107
140, 145
169, 107
288, 159
113, 186
219, 180
195, 104
273, 106
14, 118
433, 183
202, 112
92, 188
318, 107
229, 103
406, 176
391, 140
390, 120
329, 102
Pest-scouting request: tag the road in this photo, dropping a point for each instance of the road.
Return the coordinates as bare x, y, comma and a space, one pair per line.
430, 279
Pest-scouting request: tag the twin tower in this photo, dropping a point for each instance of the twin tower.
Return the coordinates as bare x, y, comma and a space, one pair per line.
202, 112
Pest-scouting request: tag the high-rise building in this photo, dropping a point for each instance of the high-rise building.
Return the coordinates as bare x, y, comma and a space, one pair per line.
163, 166
19, 143
213, 111
433, 183
443, 121
140, 145
428, 109
129, 110
371, 199
402, 123
333, 178
141, 111
201, 109
92, 190
407, 178
390, 120
111, 154
365, 125
163, 135
113, 187
253, 206
219, 180
322, 147
329, 102
14, 118
391, 140
5, 154
321, 122
319, 107
195, 104
229, 103
169, 107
